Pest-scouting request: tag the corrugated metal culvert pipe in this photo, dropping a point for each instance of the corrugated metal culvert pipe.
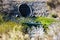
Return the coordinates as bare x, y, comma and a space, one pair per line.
25, 10
33, 9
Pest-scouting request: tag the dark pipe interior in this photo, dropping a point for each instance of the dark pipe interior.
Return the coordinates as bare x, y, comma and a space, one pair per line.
24, 10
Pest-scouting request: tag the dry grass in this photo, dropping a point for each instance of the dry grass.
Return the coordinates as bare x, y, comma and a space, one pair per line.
14, 35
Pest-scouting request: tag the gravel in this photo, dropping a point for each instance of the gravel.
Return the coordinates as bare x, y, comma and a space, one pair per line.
38, 8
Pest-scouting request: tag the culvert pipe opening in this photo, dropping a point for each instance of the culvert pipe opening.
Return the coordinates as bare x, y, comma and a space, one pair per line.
24, 9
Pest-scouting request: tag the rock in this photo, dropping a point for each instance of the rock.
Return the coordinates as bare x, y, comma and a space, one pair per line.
37, 8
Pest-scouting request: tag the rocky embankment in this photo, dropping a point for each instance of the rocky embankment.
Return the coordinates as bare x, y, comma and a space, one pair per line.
35, 33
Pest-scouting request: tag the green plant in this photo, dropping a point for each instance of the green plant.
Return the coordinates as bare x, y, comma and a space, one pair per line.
7, 26
45, 21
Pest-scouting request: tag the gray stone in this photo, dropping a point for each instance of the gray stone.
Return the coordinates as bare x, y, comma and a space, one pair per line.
38, 8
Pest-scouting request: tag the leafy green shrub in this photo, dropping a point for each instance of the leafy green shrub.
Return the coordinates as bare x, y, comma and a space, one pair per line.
45, 21
6, 26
